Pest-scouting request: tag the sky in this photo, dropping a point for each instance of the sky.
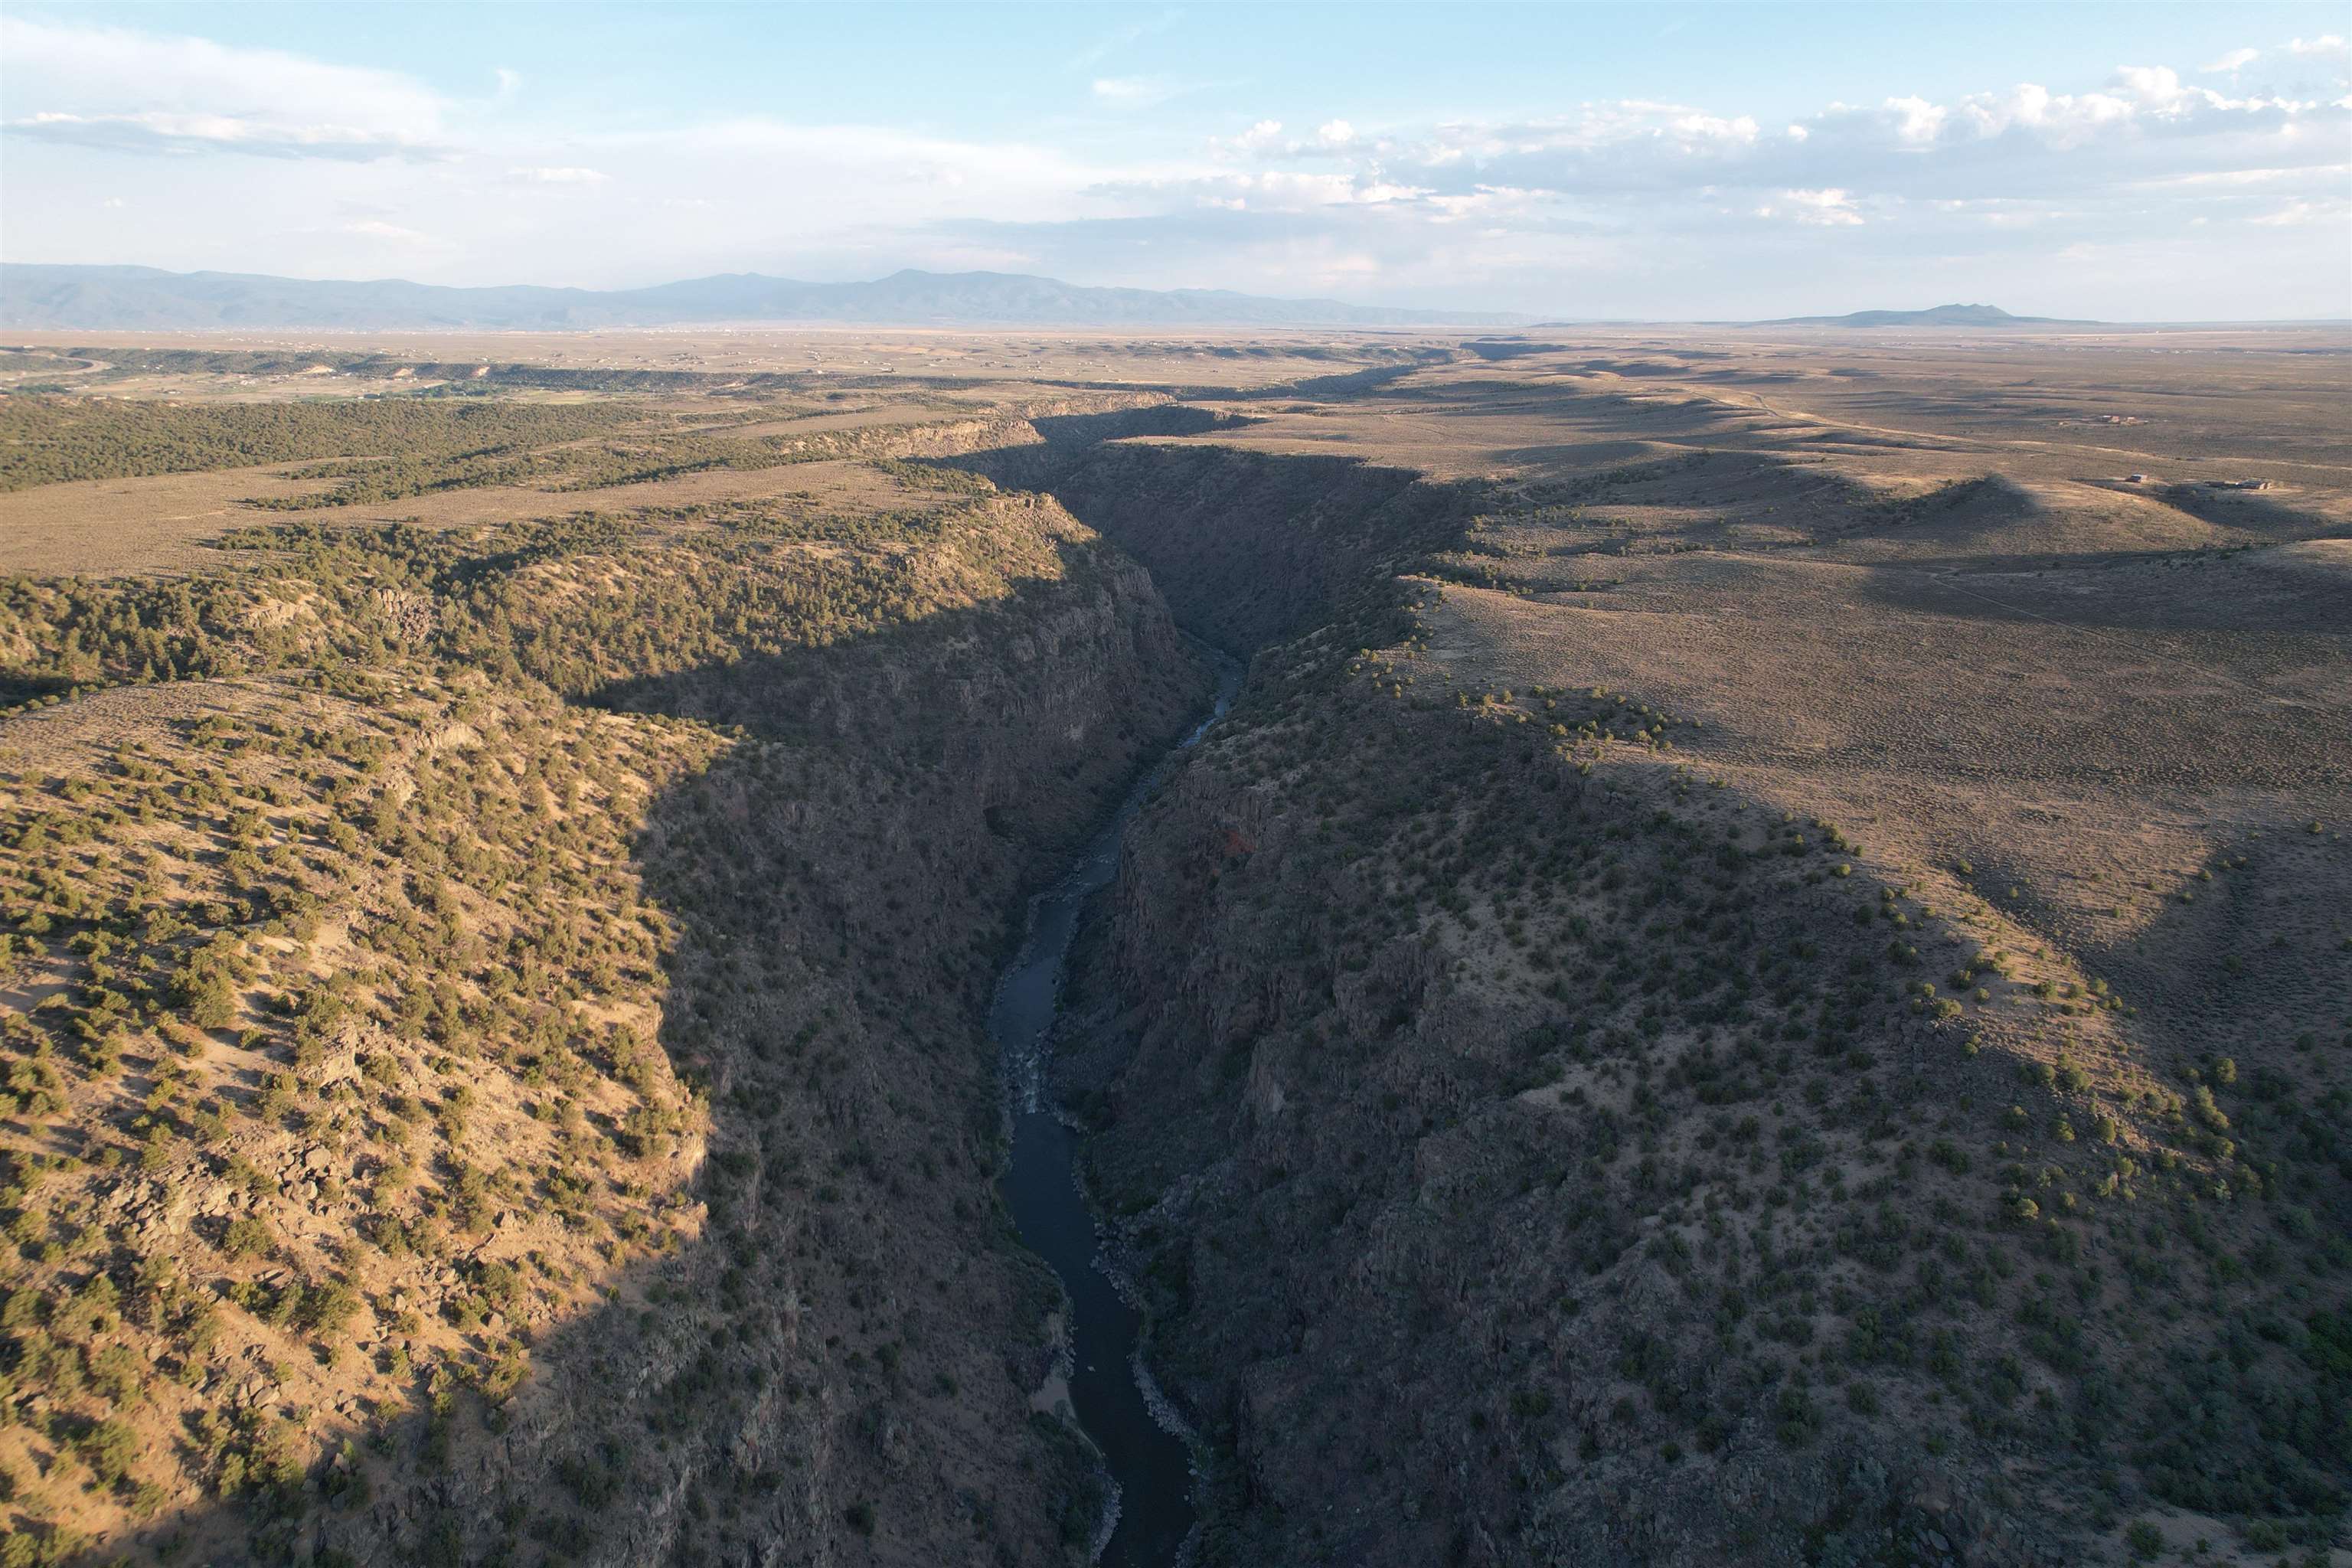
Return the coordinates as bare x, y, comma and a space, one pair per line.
2138, 162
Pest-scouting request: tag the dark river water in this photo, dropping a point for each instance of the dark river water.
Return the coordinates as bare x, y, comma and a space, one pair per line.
1149, 1464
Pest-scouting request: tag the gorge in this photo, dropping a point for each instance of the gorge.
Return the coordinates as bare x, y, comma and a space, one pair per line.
600, 987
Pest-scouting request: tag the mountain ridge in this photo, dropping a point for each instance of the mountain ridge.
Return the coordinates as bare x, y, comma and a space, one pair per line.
41, 295
1932, 316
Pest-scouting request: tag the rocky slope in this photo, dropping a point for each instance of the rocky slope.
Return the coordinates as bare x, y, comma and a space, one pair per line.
1536, 1149
448, 1121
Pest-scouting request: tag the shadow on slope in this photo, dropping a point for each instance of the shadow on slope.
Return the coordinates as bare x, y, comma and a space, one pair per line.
837, 1359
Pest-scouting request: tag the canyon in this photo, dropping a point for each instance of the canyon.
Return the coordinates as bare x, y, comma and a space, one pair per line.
1757, 965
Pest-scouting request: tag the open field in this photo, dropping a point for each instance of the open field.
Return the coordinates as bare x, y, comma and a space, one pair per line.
1761, 970
282, 365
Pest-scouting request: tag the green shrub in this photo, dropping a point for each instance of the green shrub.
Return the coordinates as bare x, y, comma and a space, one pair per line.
108, 1448
247, 1236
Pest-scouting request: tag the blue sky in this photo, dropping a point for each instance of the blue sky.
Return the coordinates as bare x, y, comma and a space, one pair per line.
2148, 160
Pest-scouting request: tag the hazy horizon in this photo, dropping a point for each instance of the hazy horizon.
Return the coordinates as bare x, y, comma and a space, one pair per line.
1592, 162
1429, 316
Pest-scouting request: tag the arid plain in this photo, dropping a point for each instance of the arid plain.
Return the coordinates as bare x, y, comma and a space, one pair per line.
1761, 971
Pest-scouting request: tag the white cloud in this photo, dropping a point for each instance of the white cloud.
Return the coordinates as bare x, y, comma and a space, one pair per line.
1917, 122
1261, 139
1264, 141
2234, 60
132, 91
1654, 194
2325, 44
1136, 91
2158, 87
2211, 178
1489, 204
1275, 190
559, 175
1828, 209
776, 187
1125, 37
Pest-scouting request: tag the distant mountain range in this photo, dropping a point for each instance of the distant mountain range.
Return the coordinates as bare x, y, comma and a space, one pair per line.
144, 298
1934, 316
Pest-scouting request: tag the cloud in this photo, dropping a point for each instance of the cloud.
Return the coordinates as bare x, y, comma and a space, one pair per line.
155, 132
2217, 178
2325, 44
1137, 91
2025, 141
1918, 122
1264, 141
839, 179
1826, 209
1266, 190
1639, 204
122, 90
1122, 38
558, 175
2234, 60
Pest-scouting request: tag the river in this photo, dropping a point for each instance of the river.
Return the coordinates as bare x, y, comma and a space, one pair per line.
1150, 1464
